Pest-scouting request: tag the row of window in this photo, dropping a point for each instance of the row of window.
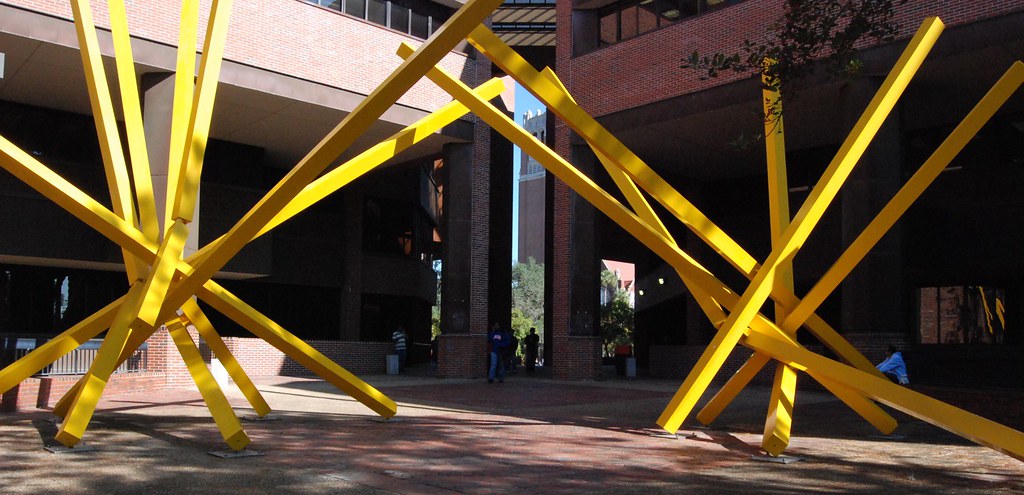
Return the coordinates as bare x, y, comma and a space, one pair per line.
396, 14
628, 18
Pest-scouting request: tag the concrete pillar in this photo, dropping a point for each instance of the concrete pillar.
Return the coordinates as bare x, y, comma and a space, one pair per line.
873, 295
157, 106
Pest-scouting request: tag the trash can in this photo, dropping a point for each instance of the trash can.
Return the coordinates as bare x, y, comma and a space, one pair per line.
622, 352
392, 364
631, 368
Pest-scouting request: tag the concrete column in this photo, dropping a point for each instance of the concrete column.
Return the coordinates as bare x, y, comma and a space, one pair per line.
873, 295
157, 106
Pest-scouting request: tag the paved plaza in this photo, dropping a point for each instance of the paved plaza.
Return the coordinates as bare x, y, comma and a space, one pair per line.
528, 435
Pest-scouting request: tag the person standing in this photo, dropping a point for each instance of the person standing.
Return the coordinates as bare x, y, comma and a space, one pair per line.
497, 341
532, 340
398, 337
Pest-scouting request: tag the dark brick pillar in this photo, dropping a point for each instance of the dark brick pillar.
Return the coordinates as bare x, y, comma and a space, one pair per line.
575, 279
352, 278
466, 224
500, 227
873, 295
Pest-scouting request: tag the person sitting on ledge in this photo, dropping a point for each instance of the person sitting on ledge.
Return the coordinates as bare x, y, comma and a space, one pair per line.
894, 368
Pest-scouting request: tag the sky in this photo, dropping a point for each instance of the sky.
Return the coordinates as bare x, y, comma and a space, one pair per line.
524, 101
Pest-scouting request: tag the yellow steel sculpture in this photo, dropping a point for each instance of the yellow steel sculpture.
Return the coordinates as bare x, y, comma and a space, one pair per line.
163, 286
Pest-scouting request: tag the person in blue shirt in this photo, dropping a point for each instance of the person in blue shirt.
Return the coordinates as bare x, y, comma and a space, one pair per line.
894, 368
497, 341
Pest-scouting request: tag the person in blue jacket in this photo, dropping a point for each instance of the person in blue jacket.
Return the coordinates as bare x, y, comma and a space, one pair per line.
894, 368
497, 341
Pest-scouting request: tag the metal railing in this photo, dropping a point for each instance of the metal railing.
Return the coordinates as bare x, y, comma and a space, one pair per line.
76, 362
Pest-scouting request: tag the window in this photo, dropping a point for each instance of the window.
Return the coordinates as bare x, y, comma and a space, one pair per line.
630, 18
396, 14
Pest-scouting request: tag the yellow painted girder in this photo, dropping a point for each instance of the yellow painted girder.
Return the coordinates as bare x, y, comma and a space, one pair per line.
111, 152
945, 416
803, 223
779, 421
139, 312
197, 317
225, 418
198, 129
134, 131
552, 93
181, 111
83, 403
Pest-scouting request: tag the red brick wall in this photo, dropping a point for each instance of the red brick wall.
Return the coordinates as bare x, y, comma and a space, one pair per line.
462, 356
286, 36
646, 69
577, 358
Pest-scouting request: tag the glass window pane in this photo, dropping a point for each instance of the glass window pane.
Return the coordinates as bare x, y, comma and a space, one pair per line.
399, 18
420, 26
356, 8
377, 12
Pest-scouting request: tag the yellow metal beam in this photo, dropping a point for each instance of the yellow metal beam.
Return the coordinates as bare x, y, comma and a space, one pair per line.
779, 422
958, 421
225, 418
198, 318
196, 137
822, 194
118, 182
130, 104
181, 112
83, 404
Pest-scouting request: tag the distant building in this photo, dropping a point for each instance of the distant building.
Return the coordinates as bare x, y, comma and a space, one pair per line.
531, 193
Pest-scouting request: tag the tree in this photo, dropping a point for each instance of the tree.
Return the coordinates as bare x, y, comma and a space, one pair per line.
528, 291
616, 315
822, 33
616, 322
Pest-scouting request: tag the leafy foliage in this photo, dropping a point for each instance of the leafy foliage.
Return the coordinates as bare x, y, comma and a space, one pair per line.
825, 31
616, 316
528, 292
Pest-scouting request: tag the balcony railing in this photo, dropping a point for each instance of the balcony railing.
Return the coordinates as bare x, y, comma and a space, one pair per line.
76, 362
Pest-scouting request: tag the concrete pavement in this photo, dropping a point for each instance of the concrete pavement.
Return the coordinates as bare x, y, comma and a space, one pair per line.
527, 435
